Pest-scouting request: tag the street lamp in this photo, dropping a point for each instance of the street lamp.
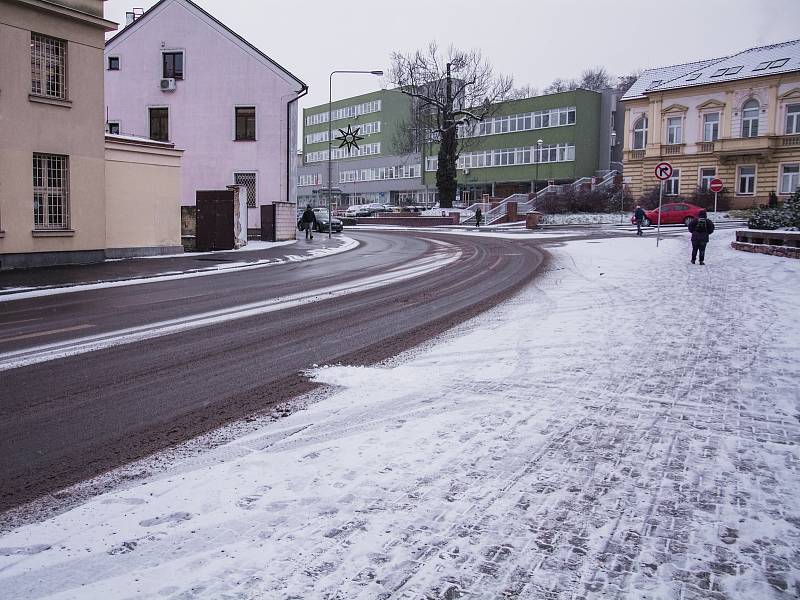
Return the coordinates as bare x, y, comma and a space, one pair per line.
330, 138
538, 160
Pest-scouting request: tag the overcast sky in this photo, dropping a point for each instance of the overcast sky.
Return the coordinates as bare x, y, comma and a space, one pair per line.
535, 41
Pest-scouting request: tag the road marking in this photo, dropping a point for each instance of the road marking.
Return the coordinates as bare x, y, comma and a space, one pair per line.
43, 333
21, 321
39, 354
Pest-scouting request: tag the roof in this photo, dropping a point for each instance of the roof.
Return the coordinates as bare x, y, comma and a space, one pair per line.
208, 15
753, 62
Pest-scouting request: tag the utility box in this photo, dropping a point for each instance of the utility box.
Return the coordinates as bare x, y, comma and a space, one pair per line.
215, 220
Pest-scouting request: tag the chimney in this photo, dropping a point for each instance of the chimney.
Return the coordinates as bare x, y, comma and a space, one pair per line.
132, 15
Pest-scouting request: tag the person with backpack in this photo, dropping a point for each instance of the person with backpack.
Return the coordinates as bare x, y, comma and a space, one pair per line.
639, 216
701, 228
478, 216
309, 219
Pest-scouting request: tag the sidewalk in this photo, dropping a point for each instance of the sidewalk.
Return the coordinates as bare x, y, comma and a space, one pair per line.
254, 254
559, 446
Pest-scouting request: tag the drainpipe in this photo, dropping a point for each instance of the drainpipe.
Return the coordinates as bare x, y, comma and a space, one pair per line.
299, 94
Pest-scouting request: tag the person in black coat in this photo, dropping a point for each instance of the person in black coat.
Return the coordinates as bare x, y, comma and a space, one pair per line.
308, 219
701, 228
639, 216
478, 217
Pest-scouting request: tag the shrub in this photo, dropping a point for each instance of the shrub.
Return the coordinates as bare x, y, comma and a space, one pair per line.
787, 215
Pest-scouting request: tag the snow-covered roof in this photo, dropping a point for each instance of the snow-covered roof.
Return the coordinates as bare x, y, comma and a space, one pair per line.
754, 62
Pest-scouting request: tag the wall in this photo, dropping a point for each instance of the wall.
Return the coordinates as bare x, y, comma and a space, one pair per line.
143, 192
219, 74
286, 221
73, 128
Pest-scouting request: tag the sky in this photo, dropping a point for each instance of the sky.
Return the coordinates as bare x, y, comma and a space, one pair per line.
534, 41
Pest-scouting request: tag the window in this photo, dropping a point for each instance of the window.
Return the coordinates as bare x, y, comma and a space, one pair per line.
778, 63
173, 65
793, 119
113, 127
750, 118
693, 76
50, 191
248, 180
48, 67
790, 178
640, 133
718, 73
245, 123
710, 127
113, 63
747, 180
674, 127
672, 185
159, 124
706, 175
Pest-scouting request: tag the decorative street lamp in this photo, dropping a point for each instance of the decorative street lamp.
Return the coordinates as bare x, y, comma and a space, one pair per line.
349, 138
538, 160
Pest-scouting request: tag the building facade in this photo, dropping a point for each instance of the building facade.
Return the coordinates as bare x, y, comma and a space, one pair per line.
735, 118
52, 145
500, 155
175, 73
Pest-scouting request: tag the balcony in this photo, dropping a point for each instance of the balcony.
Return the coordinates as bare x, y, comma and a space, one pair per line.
634, 154
705, 147
789, 140
671, 149
752, 146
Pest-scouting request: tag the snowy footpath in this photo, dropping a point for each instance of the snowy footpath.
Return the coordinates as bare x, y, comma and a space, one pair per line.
626, 427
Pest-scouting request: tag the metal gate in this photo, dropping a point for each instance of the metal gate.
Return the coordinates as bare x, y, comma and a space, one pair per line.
268, 220
215, 220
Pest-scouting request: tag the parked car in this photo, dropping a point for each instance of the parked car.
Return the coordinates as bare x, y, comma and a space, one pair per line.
672, 213
357, 211
322, 221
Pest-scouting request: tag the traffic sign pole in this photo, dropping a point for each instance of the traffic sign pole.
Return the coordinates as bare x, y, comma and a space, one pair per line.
715, 202
660, 194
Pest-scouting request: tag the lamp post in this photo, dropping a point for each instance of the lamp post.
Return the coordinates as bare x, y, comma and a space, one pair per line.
538, 160
330, 137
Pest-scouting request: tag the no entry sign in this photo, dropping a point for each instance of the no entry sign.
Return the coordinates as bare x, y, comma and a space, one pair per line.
715, 185
663, 171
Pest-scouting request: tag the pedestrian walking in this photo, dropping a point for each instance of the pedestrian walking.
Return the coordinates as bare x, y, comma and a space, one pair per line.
309, 219
478, 217
701, 228
639, 215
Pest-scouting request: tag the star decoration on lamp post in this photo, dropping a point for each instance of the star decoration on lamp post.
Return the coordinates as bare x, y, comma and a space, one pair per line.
349, 138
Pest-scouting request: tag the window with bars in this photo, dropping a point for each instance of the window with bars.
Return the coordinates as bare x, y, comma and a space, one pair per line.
248, 180
48, 67
245, 123
50, 191
159, 124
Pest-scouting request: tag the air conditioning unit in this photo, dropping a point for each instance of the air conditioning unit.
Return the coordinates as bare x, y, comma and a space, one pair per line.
168, 84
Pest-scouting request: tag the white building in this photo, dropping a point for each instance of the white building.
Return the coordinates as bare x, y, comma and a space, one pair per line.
175, 73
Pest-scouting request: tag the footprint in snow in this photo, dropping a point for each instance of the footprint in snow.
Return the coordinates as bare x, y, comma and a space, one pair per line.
132, 501
176, 517
27, 550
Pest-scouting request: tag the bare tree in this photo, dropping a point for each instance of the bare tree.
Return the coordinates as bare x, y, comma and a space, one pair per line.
561, 85
520, 93
626, 81
596, 78
449, 90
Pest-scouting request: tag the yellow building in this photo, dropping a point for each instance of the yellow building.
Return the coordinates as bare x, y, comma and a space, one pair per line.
68, 192
735, 118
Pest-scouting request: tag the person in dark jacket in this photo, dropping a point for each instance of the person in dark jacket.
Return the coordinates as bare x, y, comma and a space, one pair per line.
309, 219
478, 217
701, 228
639, 216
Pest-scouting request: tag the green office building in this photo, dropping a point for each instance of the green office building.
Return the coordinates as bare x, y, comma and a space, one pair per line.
521, 147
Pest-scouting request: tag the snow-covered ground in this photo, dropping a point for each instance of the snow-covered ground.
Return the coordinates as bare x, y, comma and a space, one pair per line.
626, 427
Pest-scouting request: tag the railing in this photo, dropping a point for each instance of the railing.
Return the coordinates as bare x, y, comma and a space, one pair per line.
790, 140
672, 149
637, 154
705, 147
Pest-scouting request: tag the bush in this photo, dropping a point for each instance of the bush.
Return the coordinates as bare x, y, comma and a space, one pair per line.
705, 199
787, 215
586, 200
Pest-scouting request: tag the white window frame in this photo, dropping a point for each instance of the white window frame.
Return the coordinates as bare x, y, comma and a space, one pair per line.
169, 120
108, 62
750, 121
643, 130
116, 122
793, 176
674, 132
704, 180
161, 63
672, 186
712, 125
753, 178
248, 172
45, 59
252, 105
795, 120
46, 192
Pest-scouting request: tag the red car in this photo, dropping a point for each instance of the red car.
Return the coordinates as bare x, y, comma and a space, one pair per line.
671, 214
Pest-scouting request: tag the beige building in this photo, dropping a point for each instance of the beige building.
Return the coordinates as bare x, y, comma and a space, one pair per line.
56, 165
735, 118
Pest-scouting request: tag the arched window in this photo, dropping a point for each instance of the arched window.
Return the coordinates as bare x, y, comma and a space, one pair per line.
750, 118
640, 133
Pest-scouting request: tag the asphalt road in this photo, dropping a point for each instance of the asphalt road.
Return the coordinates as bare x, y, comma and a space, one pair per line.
161, 375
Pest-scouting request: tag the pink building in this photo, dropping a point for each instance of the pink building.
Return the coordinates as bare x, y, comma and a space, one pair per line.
175, 73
